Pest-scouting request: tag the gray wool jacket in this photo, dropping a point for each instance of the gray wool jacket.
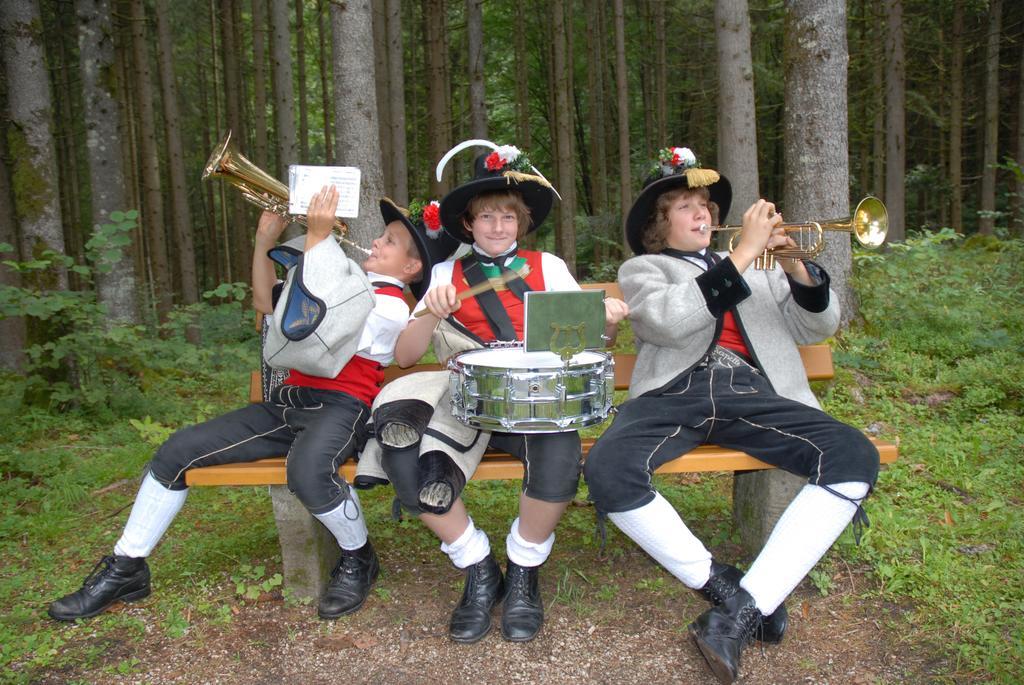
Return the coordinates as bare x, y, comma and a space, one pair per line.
675, 308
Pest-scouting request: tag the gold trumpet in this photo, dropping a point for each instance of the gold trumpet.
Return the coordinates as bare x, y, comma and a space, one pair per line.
257, 186
869, 224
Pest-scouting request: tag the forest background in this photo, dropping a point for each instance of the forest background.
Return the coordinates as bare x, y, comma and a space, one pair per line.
124, 279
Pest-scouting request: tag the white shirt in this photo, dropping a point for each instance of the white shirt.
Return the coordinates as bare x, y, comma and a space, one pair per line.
556, 275
386, 320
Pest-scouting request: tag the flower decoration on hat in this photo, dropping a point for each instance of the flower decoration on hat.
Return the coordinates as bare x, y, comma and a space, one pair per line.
427, 213
508, 157
681, 160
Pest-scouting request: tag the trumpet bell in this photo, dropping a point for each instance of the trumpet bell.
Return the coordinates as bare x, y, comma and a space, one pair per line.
870, 222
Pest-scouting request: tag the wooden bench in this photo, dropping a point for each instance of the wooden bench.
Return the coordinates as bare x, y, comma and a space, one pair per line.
308, 550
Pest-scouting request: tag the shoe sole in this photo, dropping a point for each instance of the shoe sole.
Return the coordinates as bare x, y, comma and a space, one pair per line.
718, 667
357, 607
126, 599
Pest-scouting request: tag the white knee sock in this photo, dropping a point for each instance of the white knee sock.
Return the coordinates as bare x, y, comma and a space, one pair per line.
525, 553
805, 531
659, 530
154, 509
346, 522
472, 547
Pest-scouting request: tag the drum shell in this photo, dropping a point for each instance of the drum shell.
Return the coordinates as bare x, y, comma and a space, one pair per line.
523, 397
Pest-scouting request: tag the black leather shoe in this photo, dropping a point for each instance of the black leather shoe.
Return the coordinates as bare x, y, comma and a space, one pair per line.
723, 631
113, 579
723, 584
484, 586
350, 582
524, 609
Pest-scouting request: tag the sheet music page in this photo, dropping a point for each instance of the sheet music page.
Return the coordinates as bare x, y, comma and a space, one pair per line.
304, 181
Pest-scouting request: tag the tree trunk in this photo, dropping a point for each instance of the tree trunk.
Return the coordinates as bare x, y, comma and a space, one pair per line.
357, 131
566, 183
213, 270
66, 115
622, 93
523, 137
12, 328
325, 81
129, 142
737, 123
895, 121
149, 162
382, 88
116, 287
661, 74
1017, 218
595, 113
396, 102
237, 233
29, 139
439, 125
815, 129
956, 108
475, 38
300, 65
284, 99
181, 213
259, 82
986, 215
878, 124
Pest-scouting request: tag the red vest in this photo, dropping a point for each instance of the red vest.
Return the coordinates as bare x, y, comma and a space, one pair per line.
731, 336
361, 377
471, 315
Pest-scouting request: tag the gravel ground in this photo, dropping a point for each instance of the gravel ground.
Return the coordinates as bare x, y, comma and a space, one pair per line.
638, 635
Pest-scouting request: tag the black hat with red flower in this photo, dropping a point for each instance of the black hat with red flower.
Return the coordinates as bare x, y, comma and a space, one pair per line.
506, 167
423, 221
676, 167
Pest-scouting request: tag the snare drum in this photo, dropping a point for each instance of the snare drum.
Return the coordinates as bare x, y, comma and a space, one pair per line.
514, 391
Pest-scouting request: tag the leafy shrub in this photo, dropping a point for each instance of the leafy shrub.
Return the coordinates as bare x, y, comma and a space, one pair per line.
78, 358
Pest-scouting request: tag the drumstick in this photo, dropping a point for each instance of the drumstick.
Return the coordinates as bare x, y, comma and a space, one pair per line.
489, 284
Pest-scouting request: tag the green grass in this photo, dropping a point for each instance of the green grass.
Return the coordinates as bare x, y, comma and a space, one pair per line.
935, 362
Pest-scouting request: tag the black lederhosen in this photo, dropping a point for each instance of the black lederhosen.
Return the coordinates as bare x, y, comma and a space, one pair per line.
551, 461
734, 408
318, 429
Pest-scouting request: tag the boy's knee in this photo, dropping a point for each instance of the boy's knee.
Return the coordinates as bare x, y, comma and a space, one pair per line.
402, 423
596, 467
172, 459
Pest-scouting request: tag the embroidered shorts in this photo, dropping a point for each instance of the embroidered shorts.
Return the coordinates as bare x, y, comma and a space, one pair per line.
735, 408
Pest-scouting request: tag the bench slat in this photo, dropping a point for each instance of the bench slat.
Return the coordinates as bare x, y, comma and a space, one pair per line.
498, 466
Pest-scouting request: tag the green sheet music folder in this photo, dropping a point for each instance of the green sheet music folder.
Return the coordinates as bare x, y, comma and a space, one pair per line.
567, 318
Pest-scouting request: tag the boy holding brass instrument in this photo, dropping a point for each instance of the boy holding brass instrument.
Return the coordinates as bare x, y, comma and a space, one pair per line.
317, 417
718, 363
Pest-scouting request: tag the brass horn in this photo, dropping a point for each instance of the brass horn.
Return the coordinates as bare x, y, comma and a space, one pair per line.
257, 186
869, 225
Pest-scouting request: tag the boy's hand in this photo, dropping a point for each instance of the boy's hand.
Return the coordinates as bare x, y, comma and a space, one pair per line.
269, 229
615, 310
442, 300
760, 229
320, 216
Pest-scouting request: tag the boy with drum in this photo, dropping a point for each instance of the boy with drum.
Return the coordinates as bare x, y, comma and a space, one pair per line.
506, 199
717, 362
